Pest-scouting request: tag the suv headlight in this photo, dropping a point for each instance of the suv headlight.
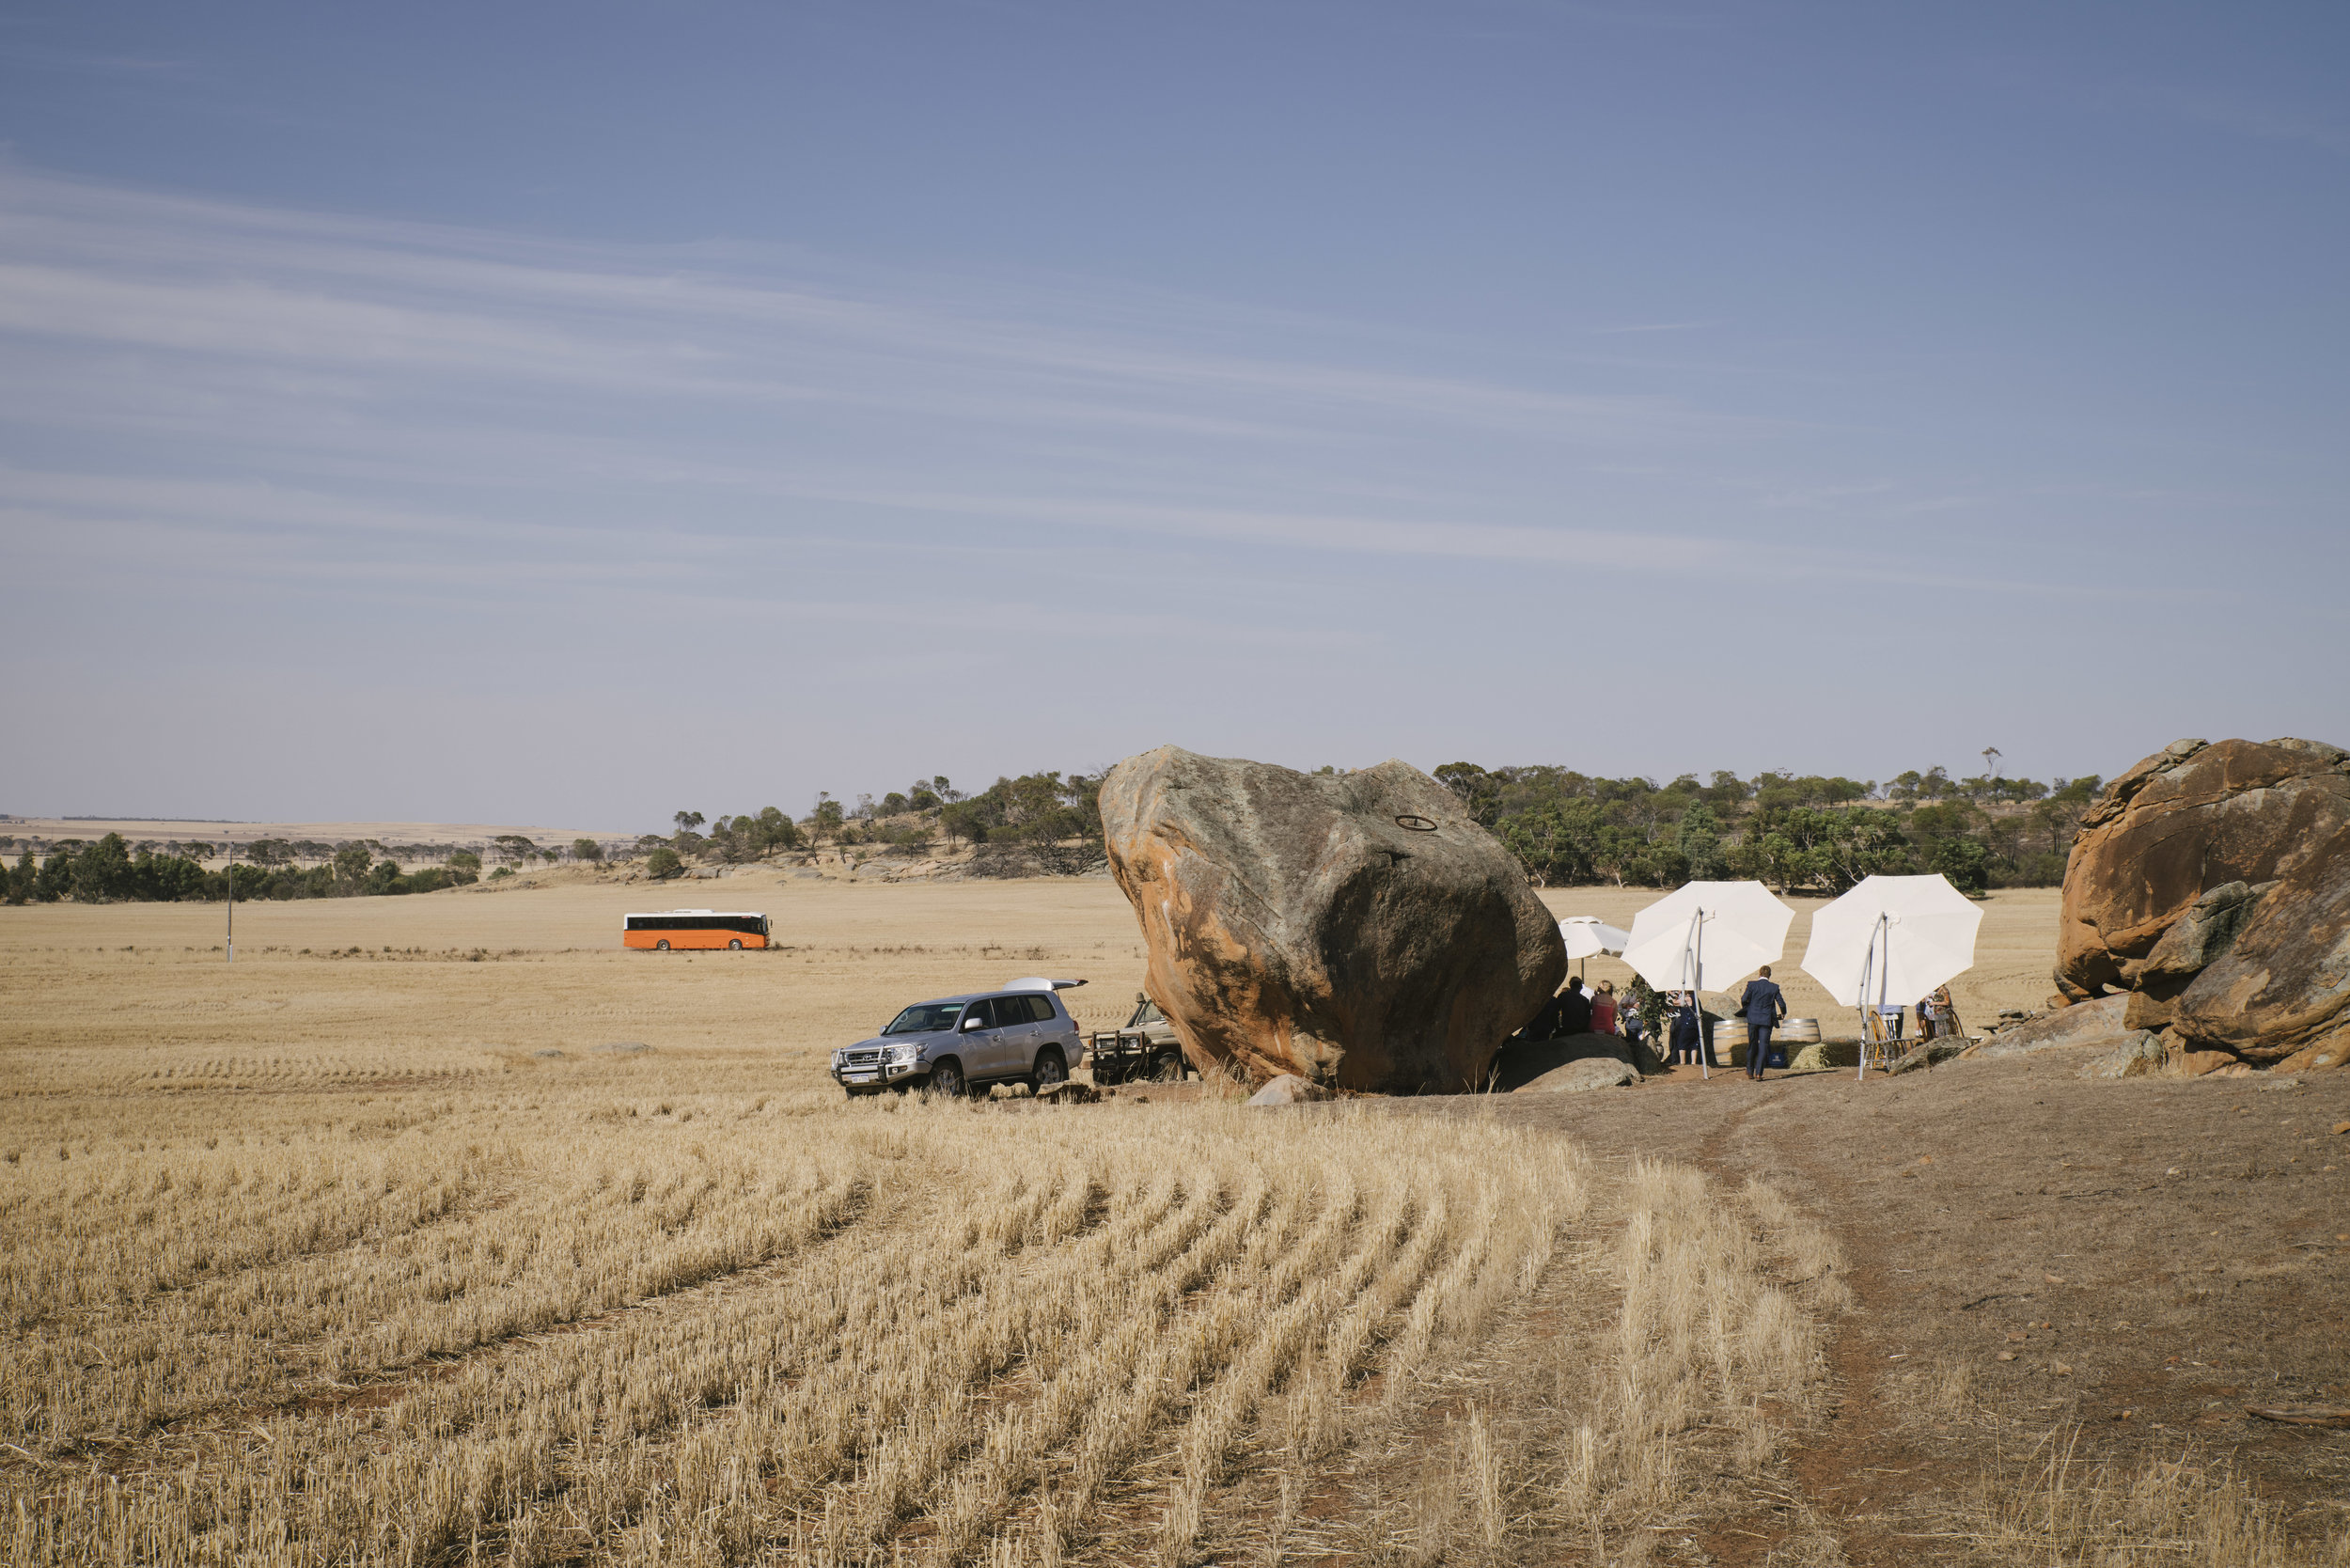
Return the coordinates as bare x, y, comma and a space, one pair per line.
901, 1055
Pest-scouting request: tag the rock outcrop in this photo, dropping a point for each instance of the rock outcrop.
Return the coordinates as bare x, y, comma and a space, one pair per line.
2179, 824
1355, 929
2202, 936
2068, 1025
2130, 1056
2211, 885
2279, 993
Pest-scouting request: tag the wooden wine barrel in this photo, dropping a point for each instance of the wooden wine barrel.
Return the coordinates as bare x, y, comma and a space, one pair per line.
1729, 1032
1798, 1032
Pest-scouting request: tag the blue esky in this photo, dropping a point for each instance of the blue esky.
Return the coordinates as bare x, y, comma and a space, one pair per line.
579, 412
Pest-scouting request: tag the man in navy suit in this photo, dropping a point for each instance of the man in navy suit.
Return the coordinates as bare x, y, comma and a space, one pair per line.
1763, 1006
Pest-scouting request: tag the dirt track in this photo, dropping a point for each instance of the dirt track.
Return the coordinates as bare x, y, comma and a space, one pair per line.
2155, 1255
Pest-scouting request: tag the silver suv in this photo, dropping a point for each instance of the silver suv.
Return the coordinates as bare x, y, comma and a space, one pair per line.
959, 1044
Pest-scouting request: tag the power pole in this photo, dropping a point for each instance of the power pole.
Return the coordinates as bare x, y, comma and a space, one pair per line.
232, 900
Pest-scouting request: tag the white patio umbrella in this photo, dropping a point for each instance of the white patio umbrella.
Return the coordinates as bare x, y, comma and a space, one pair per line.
1703, 935
1891, 939
1587, 934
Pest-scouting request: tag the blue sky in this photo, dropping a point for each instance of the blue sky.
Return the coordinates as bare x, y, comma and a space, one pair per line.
579, 412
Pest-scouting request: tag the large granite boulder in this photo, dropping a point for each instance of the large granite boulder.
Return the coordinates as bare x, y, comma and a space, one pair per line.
1355, 929
2180, 823
2280, 992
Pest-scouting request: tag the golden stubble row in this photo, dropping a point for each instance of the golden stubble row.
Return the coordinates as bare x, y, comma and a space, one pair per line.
579, 1328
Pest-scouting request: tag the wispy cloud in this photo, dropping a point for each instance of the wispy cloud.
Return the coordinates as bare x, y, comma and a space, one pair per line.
2270, 122
294, 395
83, 62
1650, 326
124, 268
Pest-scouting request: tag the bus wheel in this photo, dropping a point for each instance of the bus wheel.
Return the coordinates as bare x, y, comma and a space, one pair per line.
662, 946
736, 945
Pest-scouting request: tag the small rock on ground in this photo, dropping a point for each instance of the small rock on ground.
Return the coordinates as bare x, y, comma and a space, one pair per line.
1288, 1088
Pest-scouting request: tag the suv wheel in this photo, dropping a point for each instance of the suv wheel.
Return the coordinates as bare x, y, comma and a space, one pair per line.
1050, 1070
946, 1079
1168, 1067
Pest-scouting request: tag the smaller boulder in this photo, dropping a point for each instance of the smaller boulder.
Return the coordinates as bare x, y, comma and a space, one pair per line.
2130, 1056
2330, 1053
1288, 1088
1069, 1092
1521, 1063
2181, 1059
2077, 1025
1587, 1073
1931, 1053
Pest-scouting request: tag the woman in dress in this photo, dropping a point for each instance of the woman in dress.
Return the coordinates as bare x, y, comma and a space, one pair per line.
1687, 1038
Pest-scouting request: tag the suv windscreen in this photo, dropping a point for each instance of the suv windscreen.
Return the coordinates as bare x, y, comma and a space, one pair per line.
924, 1018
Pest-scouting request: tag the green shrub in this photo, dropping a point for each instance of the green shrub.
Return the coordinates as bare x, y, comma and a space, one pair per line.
662, 864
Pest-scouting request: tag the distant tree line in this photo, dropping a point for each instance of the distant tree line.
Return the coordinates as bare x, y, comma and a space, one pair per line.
111, 869
1041, 811
1794, 832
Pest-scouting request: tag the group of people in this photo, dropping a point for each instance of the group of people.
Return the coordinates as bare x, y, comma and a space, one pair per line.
1936, 1016
1574, 1011
1762, 1005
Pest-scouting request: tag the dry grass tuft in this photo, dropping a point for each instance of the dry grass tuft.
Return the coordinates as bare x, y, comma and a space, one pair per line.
2191, 1512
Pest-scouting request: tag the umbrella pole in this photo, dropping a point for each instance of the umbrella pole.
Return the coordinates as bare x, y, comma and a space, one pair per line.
1693, 964
1878, 967
1860, 998
1884, 965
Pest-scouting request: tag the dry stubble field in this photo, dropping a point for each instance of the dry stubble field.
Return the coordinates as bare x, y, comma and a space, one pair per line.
320, 1258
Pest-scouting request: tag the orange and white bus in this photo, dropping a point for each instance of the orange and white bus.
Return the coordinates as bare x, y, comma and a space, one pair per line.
693, 928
